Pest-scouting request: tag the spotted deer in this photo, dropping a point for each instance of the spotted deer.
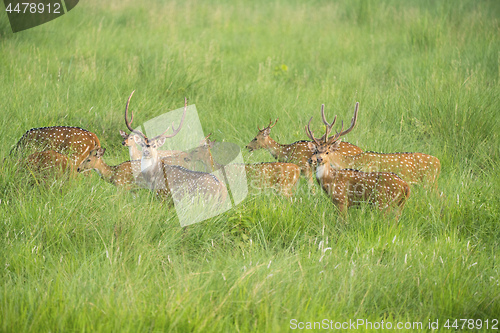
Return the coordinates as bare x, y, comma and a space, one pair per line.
172, 181
297, 152
349, 187
414, 168
151, 165
282, 177
180, 181
74, 142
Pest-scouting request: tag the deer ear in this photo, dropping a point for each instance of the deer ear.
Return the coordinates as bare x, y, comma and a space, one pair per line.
160, 142
123, 134
100, 152
335, 146
311, 146
137, 139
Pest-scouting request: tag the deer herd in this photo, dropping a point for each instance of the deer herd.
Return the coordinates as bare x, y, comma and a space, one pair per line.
347, 174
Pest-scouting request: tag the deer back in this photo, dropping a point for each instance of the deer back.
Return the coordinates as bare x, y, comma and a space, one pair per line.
72, 141
428, 168
348, 149
297, 153
181, 182
412, 167
190, 160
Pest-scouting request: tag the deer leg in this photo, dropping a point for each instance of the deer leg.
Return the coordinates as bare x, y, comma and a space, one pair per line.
166, 196
284, 191
434, 184
399, 210
285, 188
343, 211
340, 201
308, 173
386, 209
291, 190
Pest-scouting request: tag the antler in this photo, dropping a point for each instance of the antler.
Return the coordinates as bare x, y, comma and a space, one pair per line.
310, 134
131, 118
205, 140
353, 123
175, 130
268, 126
327, 124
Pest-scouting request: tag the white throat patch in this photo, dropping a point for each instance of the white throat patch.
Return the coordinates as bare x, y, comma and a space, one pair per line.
146, 163
320, 171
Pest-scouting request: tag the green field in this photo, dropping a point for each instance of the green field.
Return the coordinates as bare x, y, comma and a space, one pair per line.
85, 256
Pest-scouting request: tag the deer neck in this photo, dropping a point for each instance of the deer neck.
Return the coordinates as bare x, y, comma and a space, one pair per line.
277, 150
135, 154
325, 173
105, 171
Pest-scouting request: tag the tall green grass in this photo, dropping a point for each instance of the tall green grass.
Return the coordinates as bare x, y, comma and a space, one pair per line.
84, 256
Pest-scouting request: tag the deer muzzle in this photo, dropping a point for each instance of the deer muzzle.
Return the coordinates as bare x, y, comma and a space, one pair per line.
314, 161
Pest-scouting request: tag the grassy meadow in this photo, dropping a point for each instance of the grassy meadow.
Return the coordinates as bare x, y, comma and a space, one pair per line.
86, 256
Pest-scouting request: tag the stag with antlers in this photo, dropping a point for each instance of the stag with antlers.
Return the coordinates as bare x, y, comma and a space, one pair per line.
172, 180
414, 168
151, 165
351, 187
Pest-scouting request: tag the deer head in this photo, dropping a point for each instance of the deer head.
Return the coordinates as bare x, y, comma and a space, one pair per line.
203, 153
325, 145
262, 139
92, 161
